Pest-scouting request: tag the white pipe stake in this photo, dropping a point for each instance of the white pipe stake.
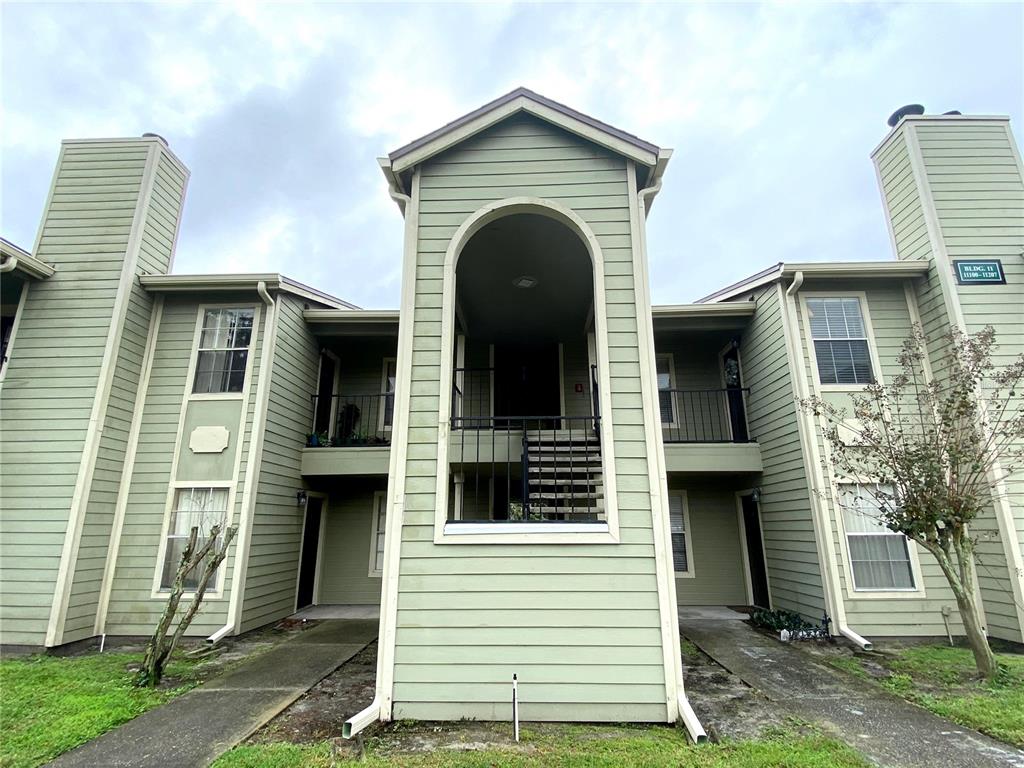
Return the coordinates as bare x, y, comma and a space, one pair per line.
515, 707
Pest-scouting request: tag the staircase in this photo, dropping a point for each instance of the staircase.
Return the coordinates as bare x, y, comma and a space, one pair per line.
564, 476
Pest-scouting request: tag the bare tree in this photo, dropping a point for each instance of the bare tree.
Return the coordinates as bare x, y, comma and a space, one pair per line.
209, 556
930, 448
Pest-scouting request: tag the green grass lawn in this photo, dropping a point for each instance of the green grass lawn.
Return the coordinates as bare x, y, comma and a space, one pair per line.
945, 680
576, 746
50, 704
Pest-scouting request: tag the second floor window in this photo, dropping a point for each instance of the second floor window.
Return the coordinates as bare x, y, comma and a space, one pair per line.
223, 351
840, 340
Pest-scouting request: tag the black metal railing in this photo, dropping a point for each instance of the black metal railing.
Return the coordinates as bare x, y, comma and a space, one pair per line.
526, 469
357, 420
704, 415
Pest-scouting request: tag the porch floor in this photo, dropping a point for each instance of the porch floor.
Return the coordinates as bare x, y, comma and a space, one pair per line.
320, 612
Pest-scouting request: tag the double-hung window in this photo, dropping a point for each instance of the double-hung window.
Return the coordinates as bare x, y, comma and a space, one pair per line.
678, 523
377, 540
223, 350
879, 557
840, 340
200, 508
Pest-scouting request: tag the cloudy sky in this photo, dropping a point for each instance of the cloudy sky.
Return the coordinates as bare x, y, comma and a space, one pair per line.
281, 110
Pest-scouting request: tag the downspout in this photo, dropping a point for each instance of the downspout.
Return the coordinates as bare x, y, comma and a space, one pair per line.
372, 713
830, 575
686, 713
9, 265
252, 469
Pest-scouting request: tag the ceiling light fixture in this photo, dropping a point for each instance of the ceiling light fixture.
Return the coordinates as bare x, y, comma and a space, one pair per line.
525, 281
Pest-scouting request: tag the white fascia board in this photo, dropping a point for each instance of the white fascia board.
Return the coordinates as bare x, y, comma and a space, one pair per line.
904, 268
238, 282
823, 269
744, 309
522, 104
319, 316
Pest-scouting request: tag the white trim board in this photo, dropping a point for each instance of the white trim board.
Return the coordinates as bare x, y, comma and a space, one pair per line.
473, 224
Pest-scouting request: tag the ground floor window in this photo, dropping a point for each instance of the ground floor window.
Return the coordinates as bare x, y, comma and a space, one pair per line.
679, 520
377, 535
200, 508
879, 558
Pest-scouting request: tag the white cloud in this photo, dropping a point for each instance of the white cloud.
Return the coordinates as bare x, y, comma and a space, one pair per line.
280, 109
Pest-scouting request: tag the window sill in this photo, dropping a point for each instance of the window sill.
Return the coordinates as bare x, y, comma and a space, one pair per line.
216, 396
842, 387
886, 594
524, 533
685, 574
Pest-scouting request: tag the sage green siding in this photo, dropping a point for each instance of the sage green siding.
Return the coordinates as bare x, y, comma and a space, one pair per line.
100, 210
471, 615
347, 544
975, 179
277, 523
792, 558
133, 609
912, 614
715, 544
156, 250
972, 179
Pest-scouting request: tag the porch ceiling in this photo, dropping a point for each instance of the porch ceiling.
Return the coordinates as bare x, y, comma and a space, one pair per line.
493, 308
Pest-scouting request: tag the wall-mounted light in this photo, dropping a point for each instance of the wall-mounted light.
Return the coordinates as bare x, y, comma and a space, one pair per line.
300, 498
755, 495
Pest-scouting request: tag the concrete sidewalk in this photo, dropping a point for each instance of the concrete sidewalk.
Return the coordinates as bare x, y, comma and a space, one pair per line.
193, 729
885, 728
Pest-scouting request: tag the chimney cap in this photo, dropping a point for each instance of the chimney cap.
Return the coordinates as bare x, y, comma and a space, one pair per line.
899, 114
156, 136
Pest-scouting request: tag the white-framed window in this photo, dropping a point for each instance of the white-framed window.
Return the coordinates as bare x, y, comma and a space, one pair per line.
198, 507
377, 531
879, 558
679, 522
388, 388
840, 339
223, 353
666, 381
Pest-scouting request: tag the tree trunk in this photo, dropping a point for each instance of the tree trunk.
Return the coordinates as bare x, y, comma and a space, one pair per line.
961, 581
984, 659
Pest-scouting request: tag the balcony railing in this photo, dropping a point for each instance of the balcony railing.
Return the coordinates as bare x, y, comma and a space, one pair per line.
704, 415
357, 420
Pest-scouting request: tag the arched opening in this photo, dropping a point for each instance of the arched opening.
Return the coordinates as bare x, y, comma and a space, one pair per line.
525, 412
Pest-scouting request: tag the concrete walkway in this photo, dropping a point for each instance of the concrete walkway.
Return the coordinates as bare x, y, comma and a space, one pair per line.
885, 728
193, 729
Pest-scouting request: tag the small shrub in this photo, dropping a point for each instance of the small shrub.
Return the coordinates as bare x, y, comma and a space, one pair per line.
776, 621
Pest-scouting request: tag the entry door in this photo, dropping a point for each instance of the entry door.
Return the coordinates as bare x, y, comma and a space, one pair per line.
755, 551
526, 380
310, 545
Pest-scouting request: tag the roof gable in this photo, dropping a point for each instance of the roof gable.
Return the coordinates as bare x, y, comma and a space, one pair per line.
513, 103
